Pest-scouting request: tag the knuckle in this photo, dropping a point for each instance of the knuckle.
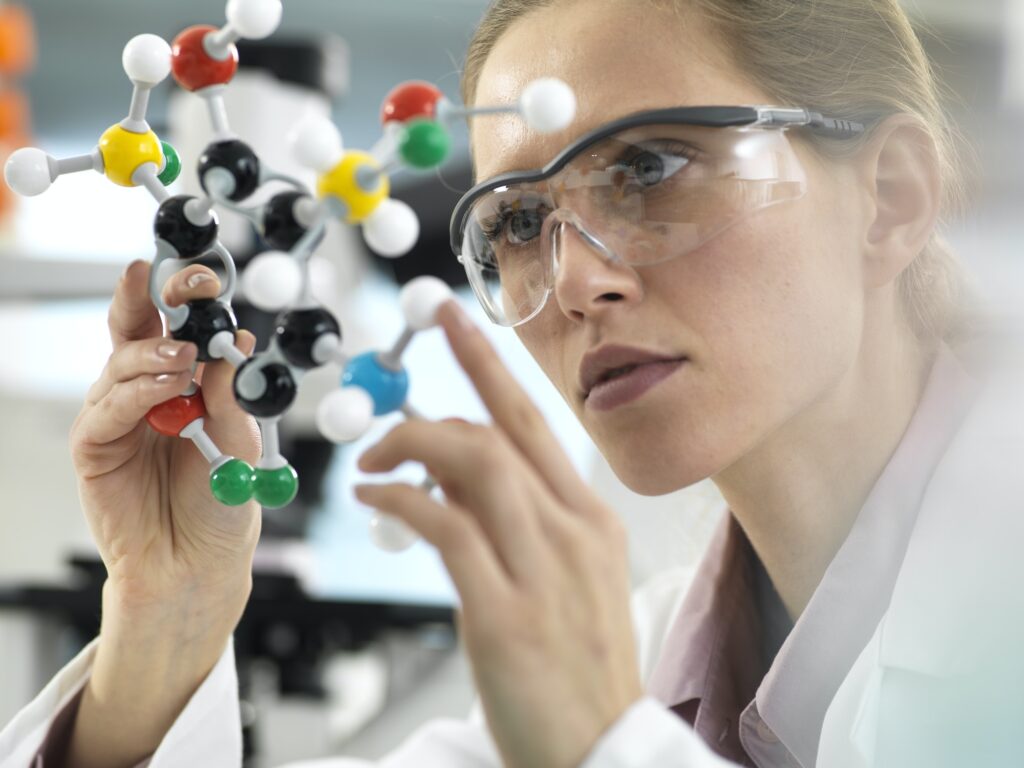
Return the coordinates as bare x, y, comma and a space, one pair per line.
75, 433
490, 453
112, 406
115, 366
525, 415
106, 408
138, 396
582, 547
614, 528
454, 536
95, 391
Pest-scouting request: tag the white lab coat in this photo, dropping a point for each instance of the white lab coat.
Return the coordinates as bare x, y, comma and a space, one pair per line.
939, 684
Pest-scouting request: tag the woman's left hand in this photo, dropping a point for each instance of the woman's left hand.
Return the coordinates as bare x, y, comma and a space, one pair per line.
540, 563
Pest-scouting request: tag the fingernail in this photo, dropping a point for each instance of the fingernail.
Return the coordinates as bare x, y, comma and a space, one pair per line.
165, 378
169, 350
197, 278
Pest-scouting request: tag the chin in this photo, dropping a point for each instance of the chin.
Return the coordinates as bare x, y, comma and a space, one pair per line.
644, 449
656, 474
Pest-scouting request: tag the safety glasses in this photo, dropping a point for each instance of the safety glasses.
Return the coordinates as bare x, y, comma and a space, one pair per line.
638, 190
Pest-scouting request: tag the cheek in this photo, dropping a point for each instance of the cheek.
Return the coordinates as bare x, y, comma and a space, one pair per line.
777, 280
545, 338
776, 308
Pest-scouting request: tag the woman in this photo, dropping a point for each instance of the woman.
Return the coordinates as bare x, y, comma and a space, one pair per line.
785, 326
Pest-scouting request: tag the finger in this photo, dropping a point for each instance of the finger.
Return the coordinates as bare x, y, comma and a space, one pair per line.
218, 381
235, 431
136, 358
463, 546
511, 407
480, 473
193, 282
123, 408
132, 314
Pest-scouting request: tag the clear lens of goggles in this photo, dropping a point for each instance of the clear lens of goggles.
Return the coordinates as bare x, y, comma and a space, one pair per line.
640, 196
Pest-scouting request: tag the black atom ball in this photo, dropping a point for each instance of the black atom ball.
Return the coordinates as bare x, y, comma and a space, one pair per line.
278, 393
172, 225
280, 228
238, 159
298, 330
206, 318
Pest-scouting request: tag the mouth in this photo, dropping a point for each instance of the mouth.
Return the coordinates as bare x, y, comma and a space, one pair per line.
614, 374
630, 383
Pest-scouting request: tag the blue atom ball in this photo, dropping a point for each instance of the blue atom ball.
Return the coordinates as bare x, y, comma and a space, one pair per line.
387, 388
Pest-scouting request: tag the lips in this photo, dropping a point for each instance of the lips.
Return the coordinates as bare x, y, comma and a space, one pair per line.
611, 361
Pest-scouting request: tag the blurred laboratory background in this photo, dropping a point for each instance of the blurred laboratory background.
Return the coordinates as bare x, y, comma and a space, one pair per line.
345, 648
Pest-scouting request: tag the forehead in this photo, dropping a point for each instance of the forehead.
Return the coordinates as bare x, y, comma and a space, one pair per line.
619, 56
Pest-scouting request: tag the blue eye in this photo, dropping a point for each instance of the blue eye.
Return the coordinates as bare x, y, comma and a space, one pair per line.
516, 226
648, 168
654, 162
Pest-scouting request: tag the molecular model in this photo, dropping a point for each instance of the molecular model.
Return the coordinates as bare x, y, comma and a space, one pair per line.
352, 187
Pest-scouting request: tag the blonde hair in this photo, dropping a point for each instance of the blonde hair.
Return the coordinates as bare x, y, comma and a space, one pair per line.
855, 59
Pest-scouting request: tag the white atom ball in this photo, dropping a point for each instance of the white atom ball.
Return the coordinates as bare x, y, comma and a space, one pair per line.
548, 104
345, 414
147, 59
272, 281
391, 534
254, 19
420, 300
392, 229
316, 143
27, 172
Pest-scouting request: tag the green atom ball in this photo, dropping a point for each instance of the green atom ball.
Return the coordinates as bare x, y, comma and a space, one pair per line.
424, 143
232, 482
172, 165
274, 488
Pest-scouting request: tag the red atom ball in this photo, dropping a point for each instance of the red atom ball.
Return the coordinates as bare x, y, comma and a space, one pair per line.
172, 416
406, 101
193, 67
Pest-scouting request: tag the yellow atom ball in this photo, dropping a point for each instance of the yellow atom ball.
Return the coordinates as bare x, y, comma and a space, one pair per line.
124, 151
341, 182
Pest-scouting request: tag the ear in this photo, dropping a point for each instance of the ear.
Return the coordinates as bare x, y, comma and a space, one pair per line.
899, 167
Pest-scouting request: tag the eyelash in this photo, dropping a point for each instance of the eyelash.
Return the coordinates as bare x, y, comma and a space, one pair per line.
493, 231
663, 146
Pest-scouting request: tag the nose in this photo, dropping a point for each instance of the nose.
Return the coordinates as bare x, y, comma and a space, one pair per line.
589, 276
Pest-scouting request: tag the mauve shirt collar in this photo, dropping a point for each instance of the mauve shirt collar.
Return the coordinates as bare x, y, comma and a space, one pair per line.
732, 658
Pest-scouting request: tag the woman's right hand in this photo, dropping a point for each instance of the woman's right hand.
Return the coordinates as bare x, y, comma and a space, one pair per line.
178, 562
147, 496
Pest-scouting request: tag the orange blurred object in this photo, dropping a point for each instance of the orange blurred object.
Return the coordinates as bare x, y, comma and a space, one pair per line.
6, 200
13, 115
17, 56
13, 134
17, 40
